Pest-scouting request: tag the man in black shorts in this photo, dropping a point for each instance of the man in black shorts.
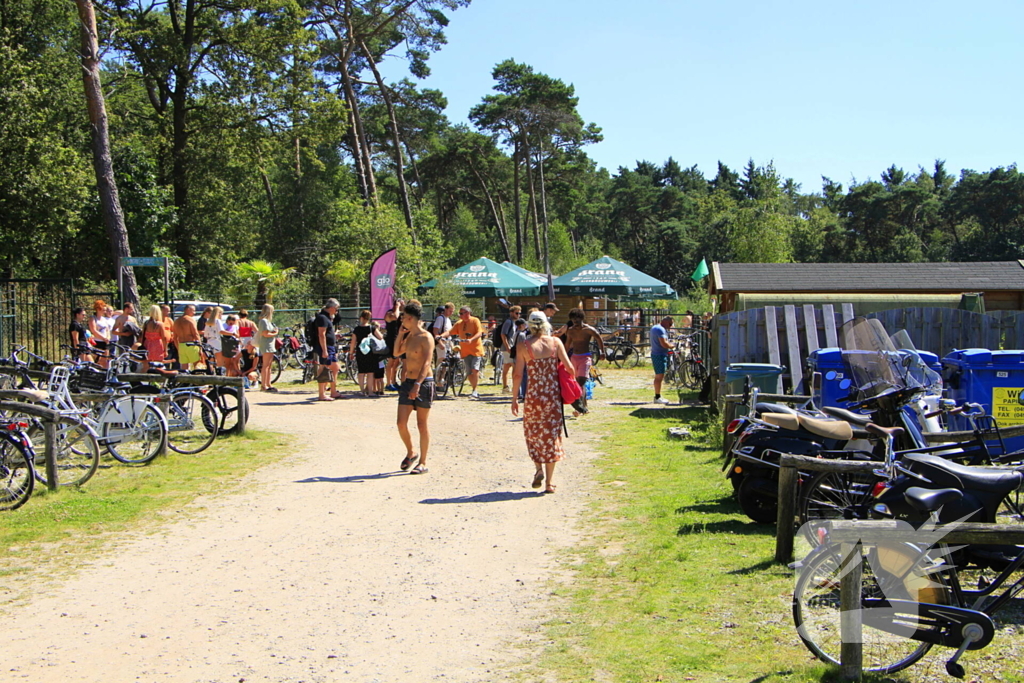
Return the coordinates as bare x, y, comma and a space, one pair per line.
326, 350
417, 391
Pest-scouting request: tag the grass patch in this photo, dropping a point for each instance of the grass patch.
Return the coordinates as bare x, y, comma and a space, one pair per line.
54, 529
673, 583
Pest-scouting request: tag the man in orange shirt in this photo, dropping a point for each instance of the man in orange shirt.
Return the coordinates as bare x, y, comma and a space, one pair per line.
471, 332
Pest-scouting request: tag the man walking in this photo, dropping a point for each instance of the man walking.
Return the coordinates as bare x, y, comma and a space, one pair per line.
324, 346
471, 332
417, 391
185, 331
660, 346
578, 337
508, 333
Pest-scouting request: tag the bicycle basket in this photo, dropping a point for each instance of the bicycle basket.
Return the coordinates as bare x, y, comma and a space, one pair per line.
58, 384
89, 379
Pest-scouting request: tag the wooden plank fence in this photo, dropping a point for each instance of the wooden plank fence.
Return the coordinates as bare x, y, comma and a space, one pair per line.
785, 335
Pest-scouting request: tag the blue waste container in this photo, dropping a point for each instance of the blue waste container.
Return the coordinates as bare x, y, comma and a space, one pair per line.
995, 379
837, 381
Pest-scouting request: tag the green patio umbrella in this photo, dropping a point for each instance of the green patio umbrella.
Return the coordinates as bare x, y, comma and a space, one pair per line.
485, 277
608, 277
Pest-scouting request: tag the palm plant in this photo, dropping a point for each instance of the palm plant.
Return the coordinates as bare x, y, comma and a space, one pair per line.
266, 275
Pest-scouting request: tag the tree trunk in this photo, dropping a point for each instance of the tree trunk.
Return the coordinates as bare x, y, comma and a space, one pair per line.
527, 157
403, 190
103, 163
543, 205
361, 142
516, 209
357, 156
415, 172
494, 211
179, 170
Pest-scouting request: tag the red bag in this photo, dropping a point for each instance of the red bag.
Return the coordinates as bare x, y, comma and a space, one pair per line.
294, 343
571, 390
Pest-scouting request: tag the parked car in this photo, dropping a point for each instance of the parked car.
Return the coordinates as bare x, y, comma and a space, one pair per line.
179, 306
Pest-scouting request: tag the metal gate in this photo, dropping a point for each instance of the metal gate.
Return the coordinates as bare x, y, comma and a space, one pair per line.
36, 314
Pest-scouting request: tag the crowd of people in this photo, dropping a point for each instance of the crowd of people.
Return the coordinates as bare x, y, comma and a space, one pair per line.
407, 355
240, 346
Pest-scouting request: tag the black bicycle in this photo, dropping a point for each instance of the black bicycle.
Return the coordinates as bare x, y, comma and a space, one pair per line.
451, 374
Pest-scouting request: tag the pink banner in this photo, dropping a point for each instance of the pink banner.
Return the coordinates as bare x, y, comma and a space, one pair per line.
382, 284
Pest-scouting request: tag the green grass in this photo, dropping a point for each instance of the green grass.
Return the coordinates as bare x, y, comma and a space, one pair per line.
54, 530
672, 583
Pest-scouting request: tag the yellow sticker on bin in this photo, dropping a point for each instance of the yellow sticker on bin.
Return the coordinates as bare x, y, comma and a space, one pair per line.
1006, 405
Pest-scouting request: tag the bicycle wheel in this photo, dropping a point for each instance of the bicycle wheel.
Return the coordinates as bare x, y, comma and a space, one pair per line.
275, 369
634, 357
615, 354
133, 430
228, 407
835, 495
458, 378
696, 373
308, 372
78, 453
351, 369
17, 478
188, 430
888, 572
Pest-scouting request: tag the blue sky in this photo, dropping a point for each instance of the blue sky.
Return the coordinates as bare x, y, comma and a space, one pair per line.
836, 89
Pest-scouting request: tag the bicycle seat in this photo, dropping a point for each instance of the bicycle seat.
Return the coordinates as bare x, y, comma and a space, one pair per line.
883, 432
929, 500
118, 386
847, 416
989, 479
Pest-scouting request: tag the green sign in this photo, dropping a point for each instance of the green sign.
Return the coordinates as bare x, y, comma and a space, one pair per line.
143, 261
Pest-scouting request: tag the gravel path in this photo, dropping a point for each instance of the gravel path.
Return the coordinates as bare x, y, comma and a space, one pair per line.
331, 566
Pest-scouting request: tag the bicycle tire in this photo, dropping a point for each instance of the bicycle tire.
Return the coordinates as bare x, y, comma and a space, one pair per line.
276, 366
188, 431
634, 358
228, 407
308, 372
697, 373
351, 369
17, 475
136, 434
458, 381
834, 495
816, 605
78, 453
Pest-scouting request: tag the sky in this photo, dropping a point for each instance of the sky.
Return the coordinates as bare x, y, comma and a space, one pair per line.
842, 90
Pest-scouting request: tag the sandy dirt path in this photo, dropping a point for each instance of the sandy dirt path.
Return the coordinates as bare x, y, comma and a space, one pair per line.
331, 566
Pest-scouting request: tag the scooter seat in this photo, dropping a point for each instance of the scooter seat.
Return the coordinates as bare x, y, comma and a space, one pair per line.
990, 479
847, 416
929, 500
830, 429
764, 407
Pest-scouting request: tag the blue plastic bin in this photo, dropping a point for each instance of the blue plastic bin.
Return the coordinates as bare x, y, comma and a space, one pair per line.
995, 379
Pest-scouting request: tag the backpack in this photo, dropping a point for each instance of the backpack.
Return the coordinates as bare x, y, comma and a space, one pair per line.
496, 336
311, 334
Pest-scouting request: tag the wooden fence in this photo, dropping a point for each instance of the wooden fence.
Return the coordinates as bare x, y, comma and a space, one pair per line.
785, 335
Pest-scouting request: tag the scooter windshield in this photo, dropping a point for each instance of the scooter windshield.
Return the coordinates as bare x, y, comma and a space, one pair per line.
873, 360
916, 371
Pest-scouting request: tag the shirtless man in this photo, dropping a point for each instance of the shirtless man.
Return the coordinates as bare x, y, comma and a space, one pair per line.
417, 391
578, 335
185, 330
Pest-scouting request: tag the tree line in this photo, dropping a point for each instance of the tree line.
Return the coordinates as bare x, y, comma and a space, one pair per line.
264, 132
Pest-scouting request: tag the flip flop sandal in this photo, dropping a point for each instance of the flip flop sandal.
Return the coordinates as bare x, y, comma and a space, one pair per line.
538, 480
550, 489
419, 469
409, 461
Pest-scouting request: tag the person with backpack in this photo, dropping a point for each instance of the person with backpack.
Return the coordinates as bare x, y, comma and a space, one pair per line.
506, 346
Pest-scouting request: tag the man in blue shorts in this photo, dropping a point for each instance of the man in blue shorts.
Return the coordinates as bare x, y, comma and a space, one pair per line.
660, 346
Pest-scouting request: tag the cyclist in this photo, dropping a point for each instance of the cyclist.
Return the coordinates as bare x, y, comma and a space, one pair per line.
470, 331
660, 346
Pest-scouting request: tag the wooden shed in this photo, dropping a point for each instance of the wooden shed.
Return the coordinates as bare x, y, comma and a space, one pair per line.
870, 287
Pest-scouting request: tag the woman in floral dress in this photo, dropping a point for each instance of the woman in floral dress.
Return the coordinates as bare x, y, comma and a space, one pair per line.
540, 355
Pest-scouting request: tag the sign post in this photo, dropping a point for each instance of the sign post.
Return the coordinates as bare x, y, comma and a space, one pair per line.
144, 262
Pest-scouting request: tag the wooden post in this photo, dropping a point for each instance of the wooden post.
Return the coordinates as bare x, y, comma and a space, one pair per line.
850, 617
787, 511
243, 409
50, 439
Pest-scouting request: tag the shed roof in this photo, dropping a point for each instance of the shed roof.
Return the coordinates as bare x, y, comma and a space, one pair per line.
978, 276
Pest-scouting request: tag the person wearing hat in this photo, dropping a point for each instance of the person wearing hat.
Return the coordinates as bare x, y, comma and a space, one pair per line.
540, 354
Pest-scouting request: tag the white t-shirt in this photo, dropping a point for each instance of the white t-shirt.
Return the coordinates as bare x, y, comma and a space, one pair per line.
442, 324
212, 334
104, 325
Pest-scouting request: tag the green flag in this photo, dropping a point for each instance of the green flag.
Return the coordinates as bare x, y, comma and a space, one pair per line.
701, 272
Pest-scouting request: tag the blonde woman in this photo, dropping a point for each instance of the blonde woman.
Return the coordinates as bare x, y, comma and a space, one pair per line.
266, 335
211, 333
154, 338
539, 355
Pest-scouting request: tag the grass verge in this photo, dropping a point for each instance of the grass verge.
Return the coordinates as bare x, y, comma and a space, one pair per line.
673, 583
54, 530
